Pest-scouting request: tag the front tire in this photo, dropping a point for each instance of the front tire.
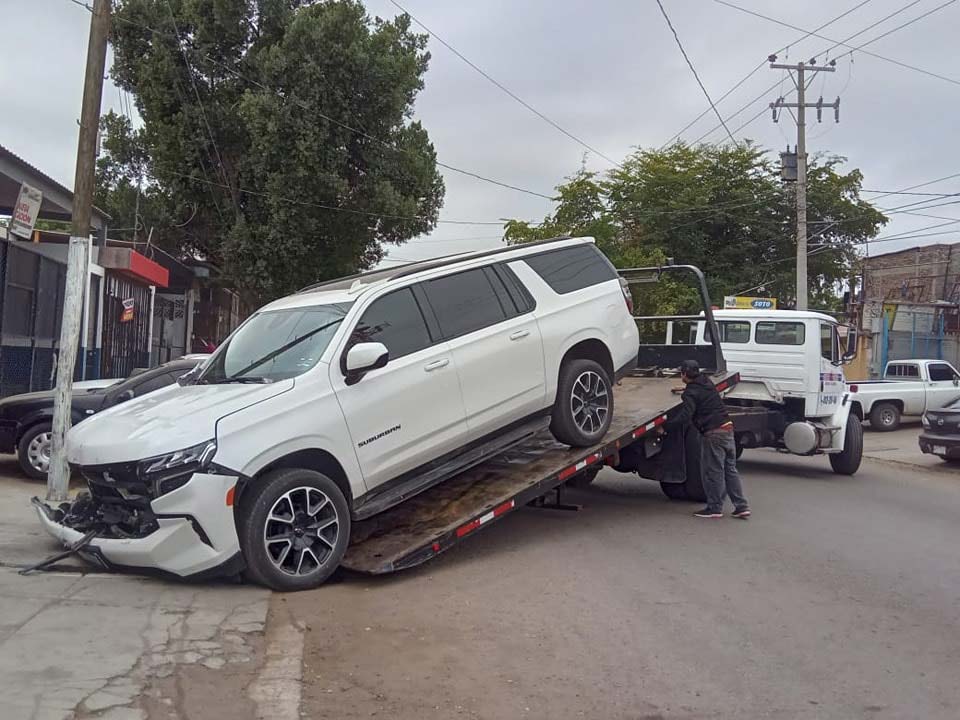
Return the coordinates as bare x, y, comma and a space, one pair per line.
885, 417
33, 451
848, 461
294, 529
583, 410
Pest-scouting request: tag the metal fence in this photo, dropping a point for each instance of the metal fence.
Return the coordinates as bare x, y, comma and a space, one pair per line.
908, 332
31, 307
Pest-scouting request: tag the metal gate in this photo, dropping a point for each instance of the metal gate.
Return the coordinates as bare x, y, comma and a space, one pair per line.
31, 307
169, 328
126, 334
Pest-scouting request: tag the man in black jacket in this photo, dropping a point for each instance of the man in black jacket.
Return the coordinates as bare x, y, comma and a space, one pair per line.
704, 409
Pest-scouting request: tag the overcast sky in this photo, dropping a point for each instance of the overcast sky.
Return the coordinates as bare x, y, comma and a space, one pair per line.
607, 71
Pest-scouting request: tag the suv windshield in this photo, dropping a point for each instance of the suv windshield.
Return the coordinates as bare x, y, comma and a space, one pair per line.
275, 345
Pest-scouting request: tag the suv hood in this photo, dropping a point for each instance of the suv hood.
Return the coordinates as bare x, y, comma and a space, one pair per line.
170, 419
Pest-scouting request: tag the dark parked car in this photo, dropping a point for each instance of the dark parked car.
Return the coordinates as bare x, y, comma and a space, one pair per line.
25, 420
941, 432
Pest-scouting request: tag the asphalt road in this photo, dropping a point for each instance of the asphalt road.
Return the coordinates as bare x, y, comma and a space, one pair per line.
839, 599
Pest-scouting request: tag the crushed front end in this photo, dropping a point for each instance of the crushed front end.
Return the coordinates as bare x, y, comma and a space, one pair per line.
177, 521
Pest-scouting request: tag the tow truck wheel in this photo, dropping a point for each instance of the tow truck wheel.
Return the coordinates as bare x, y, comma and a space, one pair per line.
848, 461
885, 417
584, 406
33, 451
294, 529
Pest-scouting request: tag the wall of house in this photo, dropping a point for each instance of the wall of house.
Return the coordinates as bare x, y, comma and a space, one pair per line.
919, 275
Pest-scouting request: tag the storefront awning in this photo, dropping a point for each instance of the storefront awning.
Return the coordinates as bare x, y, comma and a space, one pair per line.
134, 266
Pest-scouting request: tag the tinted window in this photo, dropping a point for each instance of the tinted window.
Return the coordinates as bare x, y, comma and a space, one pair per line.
522, 298
464, 302
396, 321
155, 382
572, 268
940, 372
731, 331
780, 333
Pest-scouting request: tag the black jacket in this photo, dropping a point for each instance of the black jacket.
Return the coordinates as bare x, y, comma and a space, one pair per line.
702, 406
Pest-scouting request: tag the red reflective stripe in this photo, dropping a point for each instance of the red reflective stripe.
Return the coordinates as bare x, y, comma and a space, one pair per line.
501, 509
436, 547
567, 472
468, 528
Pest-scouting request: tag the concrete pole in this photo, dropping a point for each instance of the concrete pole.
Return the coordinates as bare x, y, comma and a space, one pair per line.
802, 285
58, 478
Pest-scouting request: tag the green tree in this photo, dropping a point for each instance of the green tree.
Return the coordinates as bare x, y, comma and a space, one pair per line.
280, 133
723, 209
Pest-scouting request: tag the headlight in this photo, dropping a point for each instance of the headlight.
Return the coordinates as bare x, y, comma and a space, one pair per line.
170, 471
925, 421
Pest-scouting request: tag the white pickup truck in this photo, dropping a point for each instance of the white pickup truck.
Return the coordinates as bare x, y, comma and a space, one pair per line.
909, 387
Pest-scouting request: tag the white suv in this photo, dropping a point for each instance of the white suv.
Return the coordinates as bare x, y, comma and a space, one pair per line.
346, 398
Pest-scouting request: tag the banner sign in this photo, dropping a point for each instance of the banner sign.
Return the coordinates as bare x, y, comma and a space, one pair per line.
740, 302
25, 211
127, 314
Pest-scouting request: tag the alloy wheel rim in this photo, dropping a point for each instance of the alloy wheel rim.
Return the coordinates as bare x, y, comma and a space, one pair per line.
301, 531
38, 452
589, 402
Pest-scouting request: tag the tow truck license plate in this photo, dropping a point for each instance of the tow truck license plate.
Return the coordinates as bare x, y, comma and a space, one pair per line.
939, 450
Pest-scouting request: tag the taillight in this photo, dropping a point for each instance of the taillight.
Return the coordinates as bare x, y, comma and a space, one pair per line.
628, 298
854, 388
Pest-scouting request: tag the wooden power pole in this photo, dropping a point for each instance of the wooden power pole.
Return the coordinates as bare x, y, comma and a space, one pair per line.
801, 105
58, 477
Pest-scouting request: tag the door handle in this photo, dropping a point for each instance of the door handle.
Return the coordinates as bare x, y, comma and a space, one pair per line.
519, 334
436, 365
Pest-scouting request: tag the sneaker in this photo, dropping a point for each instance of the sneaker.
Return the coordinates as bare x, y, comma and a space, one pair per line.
708, 513
742, 513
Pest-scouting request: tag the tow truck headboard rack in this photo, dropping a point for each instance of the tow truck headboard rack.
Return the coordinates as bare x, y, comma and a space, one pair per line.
657, 358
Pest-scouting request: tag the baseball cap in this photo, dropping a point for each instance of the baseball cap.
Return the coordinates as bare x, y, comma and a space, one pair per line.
690, 368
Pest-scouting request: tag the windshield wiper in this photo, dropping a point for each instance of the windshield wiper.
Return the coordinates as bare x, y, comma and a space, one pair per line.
289, 345
242, 379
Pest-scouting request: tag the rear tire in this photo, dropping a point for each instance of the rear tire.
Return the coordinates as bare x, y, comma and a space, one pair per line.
848, 461
885, 417
583, 410
33, 451
294, 529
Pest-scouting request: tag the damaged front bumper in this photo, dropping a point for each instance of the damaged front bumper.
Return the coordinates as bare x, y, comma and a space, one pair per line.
189, 532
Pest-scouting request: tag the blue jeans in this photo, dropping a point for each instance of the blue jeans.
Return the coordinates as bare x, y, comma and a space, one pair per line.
720, 476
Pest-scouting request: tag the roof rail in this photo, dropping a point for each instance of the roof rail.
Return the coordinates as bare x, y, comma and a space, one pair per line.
412, 268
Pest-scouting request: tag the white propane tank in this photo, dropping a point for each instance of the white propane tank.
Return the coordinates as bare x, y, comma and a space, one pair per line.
801, 438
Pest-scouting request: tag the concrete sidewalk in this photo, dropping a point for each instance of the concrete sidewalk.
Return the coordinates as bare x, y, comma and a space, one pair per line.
76, 643
901, 447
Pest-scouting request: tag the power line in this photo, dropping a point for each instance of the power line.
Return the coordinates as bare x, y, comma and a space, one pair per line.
843, 44
757, 69
320, 114
366, 213
203, 112
503, 88
694, 70
845, 40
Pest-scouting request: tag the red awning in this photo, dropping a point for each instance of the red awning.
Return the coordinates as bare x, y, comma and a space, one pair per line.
134, 265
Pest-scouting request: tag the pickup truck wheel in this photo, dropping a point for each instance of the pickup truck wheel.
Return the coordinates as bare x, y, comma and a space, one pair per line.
848, 461
583, 409
585, 478
885, 417
294, 529
33, 451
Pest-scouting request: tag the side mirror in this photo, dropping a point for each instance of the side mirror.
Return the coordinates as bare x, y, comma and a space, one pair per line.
188, 377
123, 397
364, 357
850, 353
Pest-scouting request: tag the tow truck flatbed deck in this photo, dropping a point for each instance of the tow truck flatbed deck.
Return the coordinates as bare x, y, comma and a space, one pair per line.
430, 523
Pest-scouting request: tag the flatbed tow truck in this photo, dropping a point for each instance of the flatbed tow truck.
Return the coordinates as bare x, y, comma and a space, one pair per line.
529, 473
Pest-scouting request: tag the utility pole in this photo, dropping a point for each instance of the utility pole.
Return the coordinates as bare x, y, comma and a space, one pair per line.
801, 105
58, 477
